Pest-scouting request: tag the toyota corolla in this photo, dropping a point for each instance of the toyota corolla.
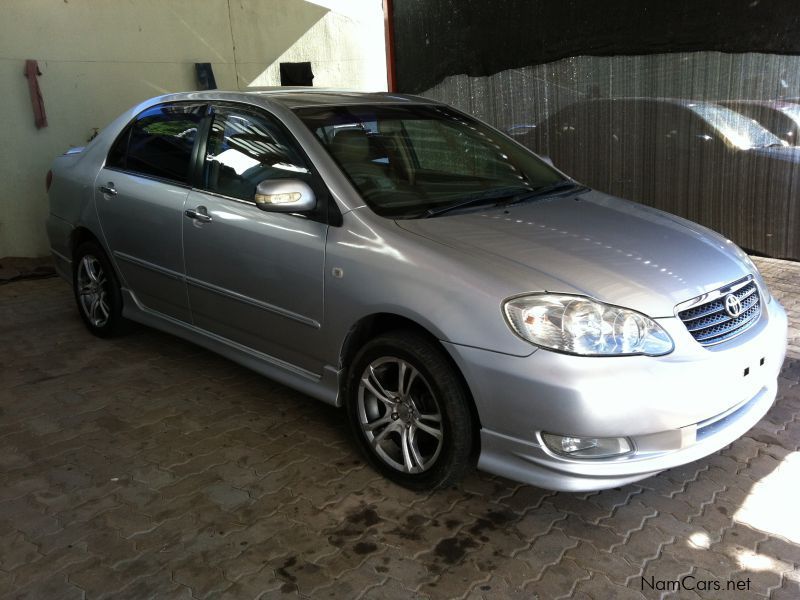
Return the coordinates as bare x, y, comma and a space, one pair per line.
462, 299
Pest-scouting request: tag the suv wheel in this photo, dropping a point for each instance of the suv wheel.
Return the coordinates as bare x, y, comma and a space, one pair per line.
97, 290
410, 412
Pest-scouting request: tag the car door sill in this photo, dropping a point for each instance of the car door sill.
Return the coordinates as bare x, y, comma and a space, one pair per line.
324, 387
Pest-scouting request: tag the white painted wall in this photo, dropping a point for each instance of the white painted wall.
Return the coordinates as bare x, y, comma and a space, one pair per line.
98, 58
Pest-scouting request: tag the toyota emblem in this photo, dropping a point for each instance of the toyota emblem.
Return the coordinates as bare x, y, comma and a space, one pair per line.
733, 306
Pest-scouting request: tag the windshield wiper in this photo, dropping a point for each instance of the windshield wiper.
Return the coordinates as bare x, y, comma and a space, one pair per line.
565, 185
507, 197
490, 196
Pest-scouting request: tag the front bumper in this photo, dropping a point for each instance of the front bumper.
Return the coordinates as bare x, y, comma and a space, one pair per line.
675, 408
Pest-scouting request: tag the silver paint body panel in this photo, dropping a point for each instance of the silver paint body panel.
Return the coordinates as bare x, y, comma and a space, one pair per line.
279, 293
145, 241
256, 278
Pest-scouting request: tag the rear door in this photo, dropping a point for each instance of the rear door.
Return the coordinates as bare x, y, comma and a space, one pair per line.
140, 195
255, 277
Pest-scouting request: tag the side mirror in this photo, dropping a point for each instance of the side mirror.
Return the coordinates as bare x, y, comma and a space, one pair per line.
284, 195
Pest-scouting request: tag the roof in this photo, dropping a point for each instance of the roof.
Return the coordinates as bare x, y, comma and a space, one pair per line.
774, 104
295, 97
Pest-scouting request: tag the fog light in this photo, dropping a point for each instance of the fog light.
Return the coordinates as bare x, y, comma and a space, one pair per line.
586, 447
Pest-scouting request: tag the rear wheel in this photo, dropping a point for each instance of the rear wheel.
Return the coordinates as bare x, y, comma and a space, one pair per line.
410, 412
97, 291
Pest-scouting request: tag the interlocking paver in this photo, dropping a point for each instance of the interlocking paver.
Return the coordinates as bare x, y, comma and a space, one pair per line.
599, 587
62, 560
16, 551
681, 552
50, 586
462, 576
545, 551
612, 564
790, 590
124, 473
602, 537
255, 586
390, 589
559, 580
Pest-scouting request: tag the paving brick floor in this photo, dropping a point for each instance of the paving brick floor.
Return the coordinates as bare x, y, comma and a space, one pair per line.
146, 467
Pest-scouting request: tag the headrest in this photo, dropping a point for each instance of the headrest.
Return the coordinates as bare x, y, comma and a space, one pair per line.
350, 145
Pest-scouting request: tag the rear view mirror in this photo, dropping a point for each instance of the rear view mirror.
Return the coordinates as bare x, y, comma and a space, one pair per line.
284, 195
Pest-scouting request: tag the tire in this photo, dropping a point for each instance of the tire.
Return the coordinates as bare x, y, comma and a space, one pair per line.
387, 416
97, 291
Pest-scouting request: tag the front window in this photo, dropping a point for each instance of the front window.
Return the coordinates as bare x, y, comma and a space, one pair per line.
245, 148
408, 161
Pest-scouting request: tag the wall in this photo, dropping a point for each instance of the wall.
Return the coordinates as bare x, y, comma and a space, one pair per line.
613, 124
99, 58
438, 38
528, 95
671, 104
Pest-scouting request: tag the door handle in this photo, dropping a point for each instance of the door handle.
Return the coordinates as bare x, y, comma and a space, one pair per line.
198, 214
108, 189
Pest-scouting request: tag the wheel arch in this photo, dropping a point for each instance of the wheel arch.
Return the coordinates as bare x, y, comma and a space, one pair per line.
81, 235
373, 325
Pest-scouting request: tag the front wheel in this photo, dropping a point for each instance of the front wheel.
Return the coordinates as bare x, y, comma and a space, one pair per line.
410, 412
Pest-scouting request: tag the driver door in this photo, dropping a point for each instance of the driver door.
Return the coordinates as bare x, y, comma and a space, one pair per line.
255, 278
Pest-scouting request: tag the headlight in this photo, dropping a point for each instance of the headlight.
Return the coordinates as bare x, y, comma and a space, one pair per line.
579, 325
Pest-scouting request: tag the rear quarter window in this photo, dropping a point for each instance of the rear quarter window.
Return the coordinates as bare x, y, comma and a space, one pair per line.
159, 142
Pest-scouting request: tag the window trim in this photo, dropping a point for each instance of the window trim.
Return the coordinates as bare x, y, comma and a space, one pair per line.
330, 215
126, 131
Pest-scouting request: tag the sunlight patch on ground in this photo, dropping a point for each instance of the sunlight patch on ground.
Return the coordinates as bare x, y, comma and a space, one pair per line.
771, 506
751, 561
699, 540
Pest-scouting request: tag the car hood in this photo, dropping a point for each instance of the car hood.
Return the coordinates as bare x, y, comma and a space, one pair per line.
593, 244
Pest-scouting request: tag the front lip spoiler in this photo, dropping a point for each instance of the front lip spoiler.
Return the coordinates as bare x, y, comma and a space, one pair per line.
529, 463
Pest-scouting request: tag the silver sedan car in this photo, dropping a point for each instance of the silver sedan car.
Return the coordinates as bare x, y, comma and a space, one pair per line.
462, 299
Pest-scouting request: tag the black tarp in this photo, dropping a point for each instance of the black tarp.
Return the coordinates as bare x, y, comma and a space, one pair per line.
205, 76
437, 38
299, 73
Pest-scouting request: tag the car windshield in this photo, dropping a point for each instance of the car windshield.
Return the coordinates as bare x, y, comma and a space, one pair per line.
413, 161
739, 130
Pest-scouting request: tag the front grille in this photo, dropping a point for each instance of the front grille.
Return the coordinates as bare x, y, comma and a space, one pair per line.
709, 323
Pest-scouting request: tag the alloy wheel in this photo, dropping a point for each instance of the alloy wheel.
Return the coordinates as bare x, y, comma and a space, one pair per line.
93, 290
400, 415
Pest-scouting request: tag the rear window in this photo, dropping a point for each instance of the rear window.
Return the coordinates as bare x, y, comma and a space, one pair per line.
159, 142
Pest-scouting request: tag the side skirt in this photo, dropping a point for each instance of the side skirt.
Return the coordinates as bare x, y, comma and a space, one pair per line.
323, 387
